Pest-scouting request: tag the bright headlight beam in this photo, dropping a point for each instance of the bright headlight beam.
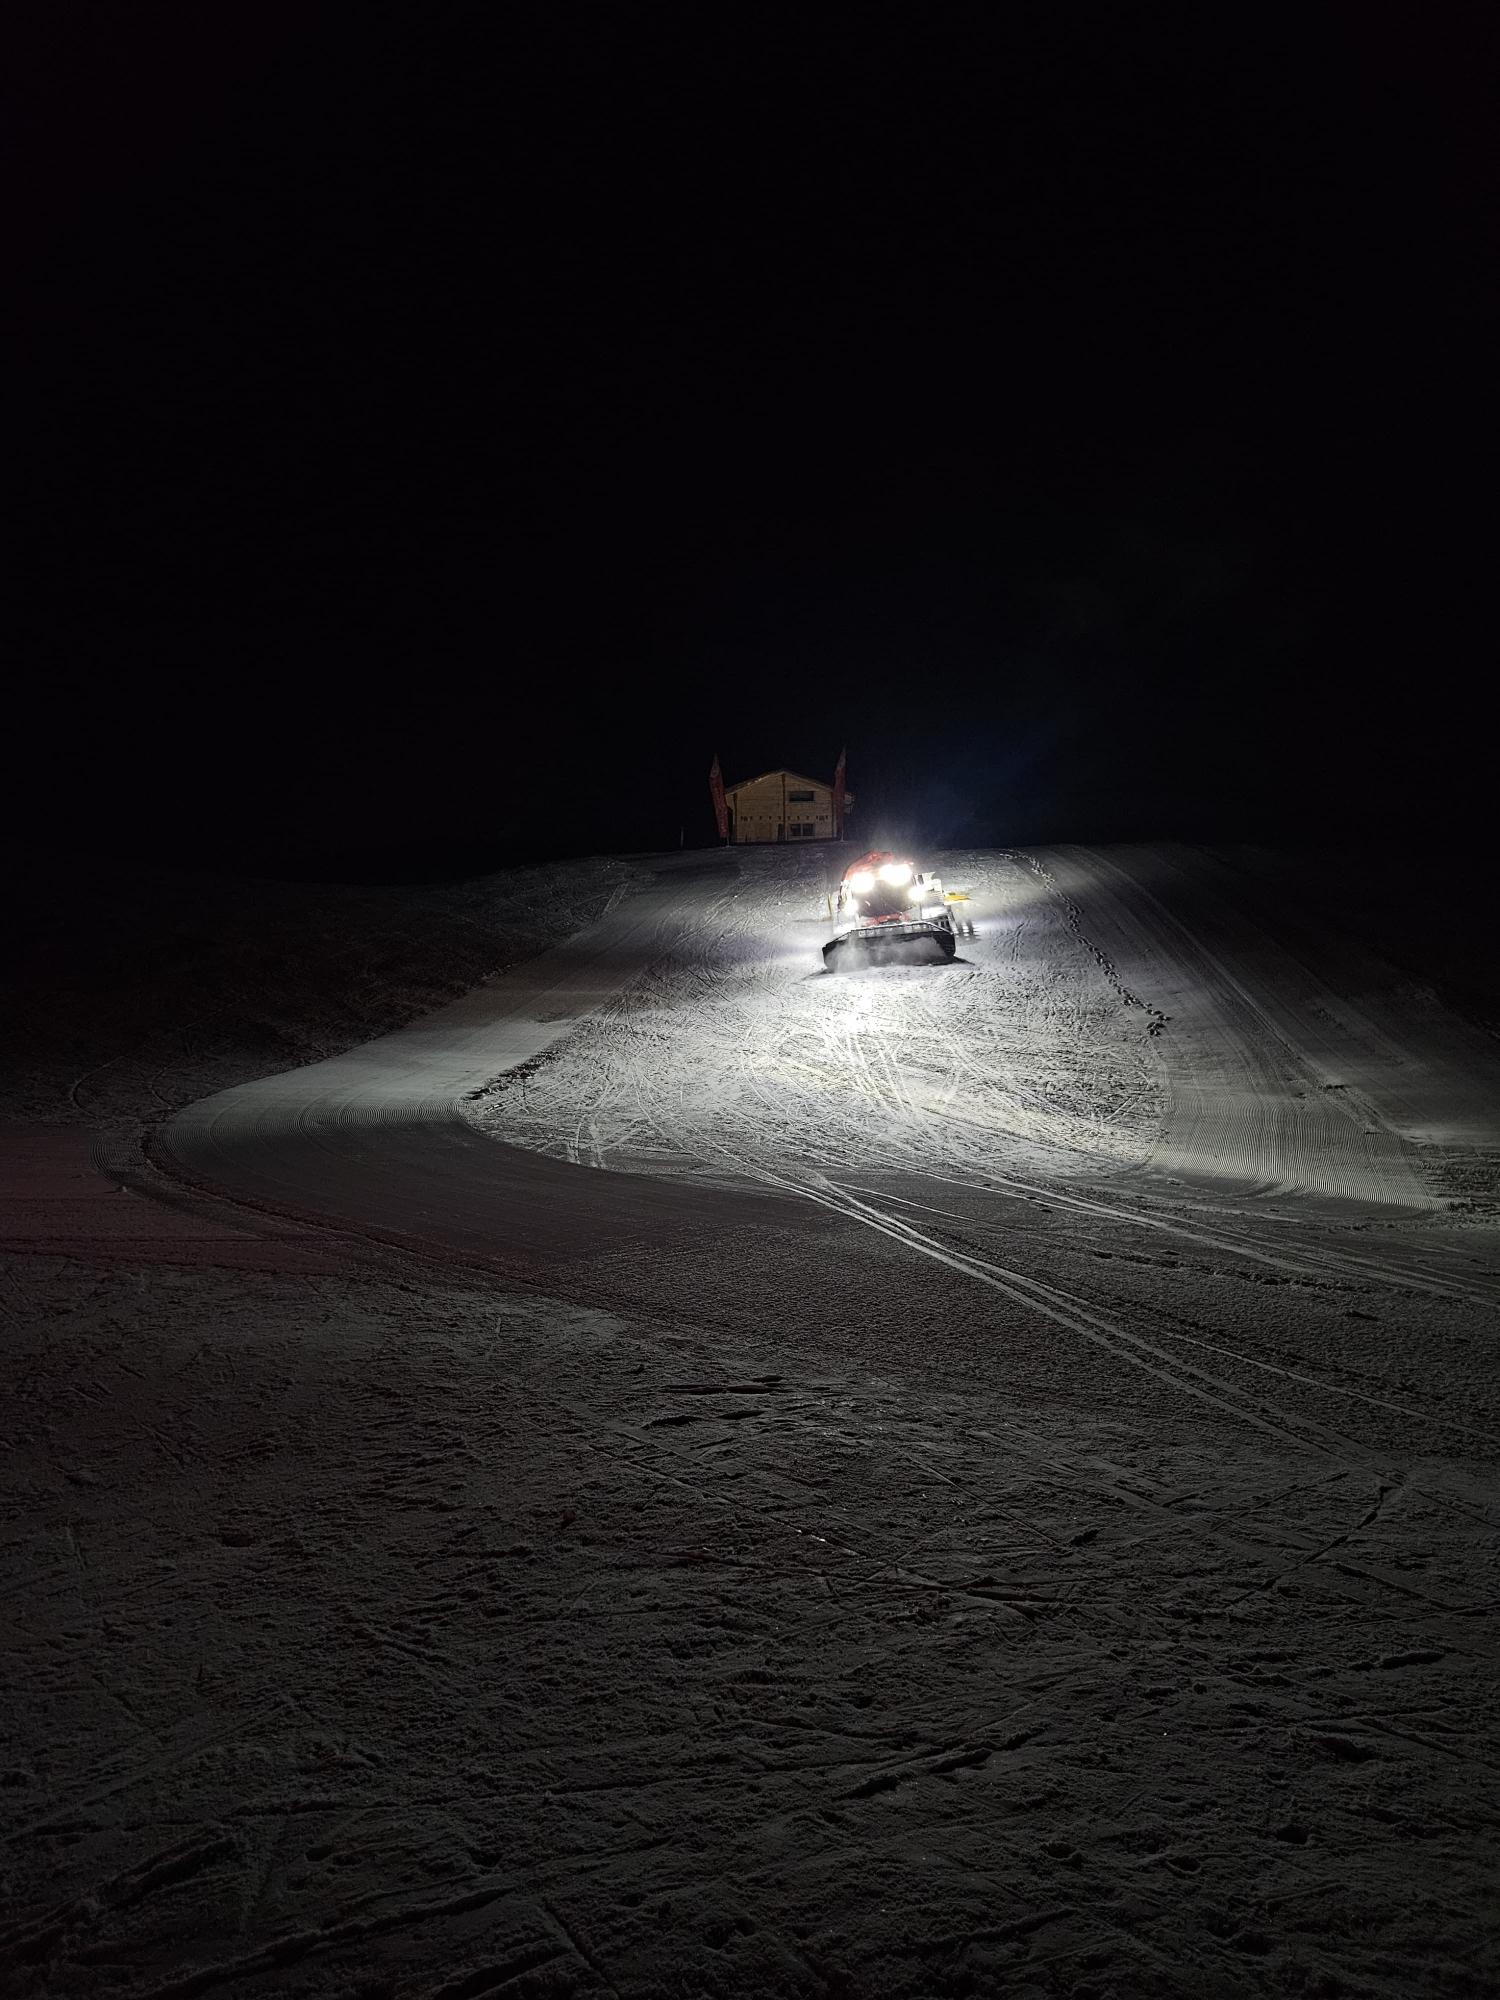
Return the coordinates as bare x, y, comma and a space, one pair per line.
862, 883
896, 872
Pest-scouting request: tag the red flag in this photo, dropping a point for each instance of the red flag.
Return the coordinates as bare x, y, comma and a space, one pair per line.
839, 792
716, 792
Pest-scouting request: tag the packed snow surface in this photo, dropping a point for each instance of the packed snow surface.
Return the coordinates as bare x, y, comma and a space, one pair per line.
1111, 1016
736, 1049
678, 1473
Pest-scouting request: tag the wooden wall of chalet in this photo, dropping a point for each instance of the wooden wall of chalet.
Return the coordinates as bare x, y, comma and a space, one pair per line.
766, 809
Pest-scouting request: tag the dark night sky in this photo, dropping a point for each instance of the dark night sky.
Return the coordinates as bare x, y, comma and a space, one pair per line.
1079, 413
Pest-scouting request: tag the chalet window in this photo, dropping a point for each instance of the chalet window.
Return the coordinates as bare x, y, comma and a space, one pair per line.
801, 798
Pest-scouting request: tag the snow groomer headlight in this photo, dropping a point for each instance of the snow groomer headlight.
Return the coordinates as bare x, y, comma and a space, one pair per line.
862, 883
895, 872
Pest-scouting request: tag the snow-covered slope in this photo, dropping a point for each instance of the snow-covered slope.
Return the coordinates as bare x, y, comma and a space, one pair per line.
680, 1474
734, 1051
1115, 1013
133, 993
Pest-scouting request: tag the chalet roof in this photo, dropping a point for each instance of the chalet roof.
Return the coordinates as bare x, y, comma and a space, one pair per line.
824, 784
